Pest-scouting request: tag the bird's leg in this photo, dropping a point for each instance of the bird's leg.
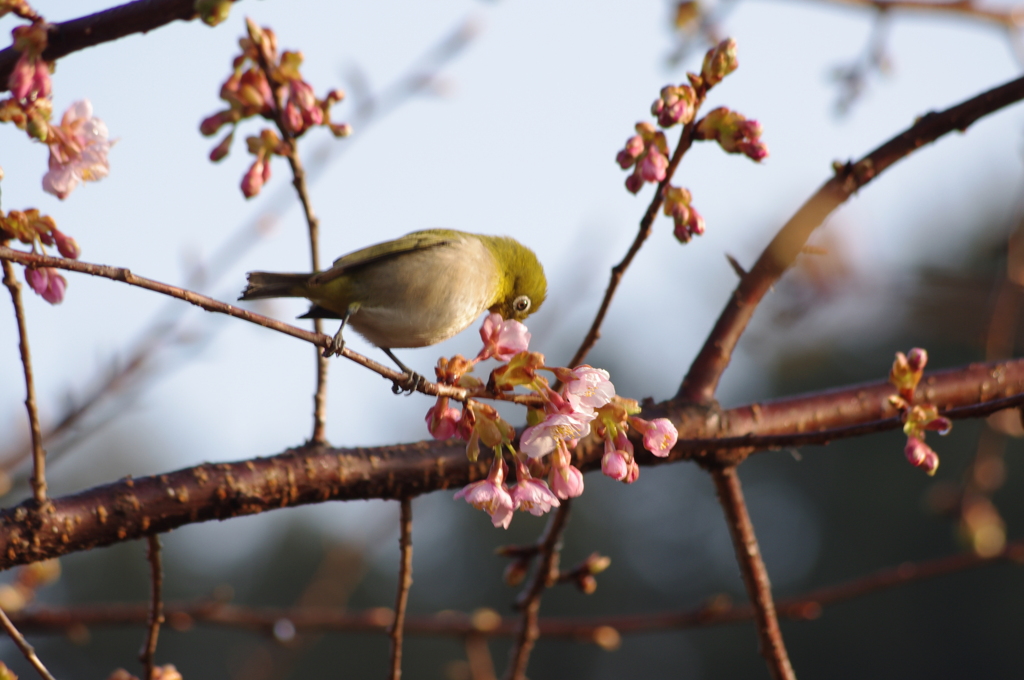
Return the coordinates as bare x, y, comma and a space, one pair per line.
410, 382
338, 343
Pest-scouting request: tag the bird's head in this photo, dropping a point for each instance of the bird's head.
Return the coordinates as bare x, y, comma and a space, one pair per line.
522, 286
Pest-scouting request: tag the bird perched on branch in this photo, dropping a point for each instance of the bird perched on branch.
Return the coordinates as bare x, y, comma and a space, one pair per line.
416, 290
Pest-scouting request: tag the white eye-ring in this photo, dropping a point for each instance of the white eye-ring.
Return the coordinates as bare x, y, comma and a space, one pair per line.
521, 304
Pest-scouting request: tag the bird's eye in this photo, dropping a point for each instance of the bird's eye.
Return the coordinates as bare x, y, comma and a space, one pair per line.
521, 304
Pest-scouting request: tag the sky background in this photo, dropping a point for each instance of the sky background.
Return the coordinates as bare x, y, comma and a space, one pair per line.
518, 138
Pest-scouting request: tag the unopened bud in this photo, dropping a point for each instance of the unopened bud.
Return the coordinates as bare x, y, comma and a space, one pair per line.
719, 62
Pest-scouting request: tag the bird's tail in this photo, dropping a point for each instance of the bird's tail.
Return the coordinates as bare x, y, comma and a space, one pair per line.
272, 285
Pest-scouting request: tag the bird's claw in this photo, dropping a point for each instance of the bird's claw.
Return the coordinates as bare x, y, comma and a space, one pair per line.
408, 383
336, 348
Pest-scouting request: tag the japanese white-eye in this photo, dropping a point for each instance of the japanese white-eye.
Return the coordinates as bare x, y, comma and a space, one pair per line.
416, 290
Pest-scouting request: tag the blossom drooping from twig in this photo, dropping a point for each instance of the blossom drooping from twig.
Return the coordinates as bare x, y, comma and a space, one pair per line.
660, 435
78, 150
47, 282
491, 495
530, 494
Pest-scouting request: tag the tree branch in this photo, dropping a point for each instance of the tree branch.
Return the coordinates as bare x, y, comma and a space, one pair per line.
755, 576
156, 607
549, 548
702, 379
24, 646
38, 480
211, 305
717, 611
111, 24
397, 628
130, 509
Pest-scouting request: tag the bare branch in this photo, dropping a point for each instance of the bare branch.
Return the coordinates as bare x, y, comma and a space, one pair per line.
550, 546
718, 611
702, 379
111, 24
211, 305
24, 646
38, 480
1010, 18
397, 628
156, 606
755, 576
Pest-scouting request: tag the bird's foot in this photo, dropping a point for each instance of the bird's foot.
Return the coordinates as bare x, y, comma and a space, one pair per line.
408, 383
336, 348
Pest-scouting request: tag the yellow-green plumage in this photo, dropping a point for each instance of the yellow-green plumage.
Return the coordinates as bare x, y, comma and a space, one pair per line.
419, 289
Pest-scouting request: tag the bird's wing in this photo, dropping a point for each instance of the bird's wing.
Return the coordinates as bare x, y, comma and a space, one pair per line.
417, 240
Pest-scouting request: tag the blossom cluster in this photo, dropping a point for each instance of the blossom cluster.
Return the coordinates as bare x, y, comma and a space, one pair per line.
917, 417
584, 402
648, 153
79, 145
37, 230
267, 84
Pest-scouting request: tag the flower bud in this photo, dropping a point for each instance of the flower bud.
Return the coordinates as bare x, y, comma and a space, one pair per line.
921, 455
252, 182
67, 246
220, 151
719, 62
340, 130
653, 166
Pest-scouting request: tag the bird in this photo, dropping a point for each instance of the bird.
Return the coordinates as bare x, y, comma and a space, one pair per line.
414, 291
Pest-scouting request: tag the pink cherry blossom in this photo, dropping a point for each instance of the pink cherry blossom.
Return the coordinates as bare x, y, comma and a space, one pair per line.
491, 495
502, 339
78, 150
540, 439
443, 420
614, 465
660, 435
566, 482
30, 78
589, 388
533, 496
48, 283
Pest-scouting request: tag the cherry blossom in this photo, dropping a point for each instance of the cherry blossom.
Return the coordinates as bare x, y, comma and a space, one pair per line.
78, 150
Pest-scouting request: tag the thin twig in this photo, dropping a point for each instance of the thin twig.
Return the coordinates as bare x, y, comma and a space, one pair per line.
38, 480
550, 546
211, 305
646, 225
702, 379
755, 576
397, 629
313, 227
24, 646
1008, 18
156, 606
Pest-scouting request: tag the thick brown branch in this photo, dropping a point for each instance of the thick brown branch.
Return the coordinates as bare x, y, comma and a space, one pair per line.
397, 629
110, 24
755, 576
156, 607
549, 548
38, 480
131, 509
702, 379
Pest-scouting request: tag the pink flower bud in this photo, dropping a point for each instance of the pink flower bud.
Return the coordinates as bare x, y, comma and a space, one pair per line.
614, 465
634, 183
566, 482
442, 420
341, 130
48, 283
921, 455
253, 181
37, 279
220, 151
719, 62
917, 359
654, 165
67, 246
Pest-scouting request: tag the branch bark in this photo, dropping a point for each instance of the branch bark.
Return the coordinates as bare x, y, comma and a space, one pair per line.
702, 379
132, 508
110, 24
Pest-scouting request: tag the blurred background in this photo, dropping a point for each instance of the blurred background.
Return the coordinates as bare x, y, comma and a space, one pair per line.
505, 118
